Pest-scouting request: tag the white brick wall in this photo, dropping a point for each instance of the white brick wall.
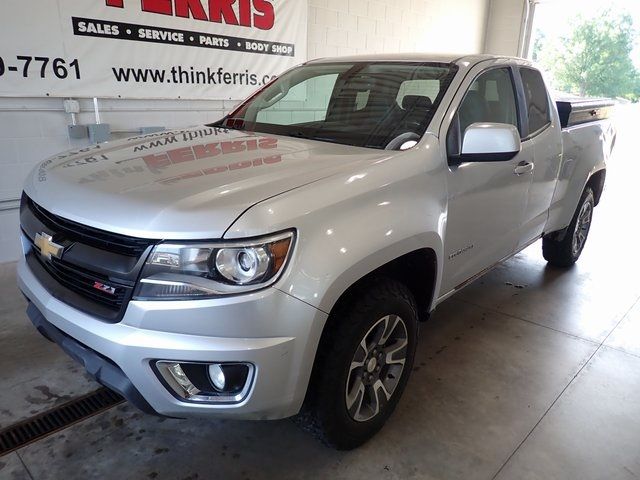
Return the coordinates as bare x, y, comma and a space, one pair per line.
32, 129
503, 27
375, 26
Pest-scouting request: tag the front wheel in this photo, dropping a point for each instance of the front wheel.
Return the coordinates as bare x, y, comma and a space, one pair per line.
363, 365
565, 252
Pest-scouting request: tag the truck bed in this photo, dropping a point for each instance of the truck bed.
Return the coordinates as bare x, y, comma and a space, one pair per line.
576, 110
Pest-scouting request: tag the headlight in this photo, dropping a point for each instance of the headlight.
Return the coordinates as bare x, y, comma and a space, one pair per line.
192, 271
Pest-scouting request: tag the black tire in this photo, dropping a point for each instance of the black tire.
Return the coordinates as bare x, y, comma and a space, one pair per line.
560, 250
325, 413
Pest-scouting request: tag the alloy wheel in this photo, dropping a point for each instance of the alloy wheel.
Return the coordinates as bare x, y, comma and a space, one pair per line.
376, 368
582, 227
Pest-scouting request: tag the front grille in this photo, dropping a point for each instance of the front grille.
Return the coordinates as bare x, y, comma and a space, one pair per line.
74, 231
83, 282
98, 269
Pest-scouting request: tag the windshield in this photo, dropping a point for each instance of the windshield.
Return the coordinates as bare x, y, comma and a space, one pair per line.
376, 105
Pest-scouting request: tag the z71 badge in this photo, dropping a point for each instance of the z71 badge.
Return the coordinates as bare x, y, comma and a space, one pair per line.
104, 288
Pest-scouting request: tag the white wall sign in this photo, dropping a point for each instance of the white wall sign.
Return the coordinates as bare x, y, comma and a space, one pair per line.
193, 49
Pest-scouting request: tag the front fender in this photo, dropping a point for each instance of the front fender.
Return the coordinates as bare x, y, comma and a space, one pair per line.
353, 223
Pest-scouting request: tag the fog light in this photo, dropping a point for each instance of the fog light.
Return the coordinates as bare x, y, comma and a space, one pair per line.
217, 376
207, 382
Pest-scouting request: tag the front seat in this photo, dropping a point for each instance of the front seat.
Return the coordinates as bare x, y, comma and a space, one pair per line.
415, 108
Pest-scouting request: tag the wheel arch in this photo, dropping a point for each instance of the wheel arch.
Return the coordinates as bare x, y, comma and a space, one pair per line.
422, 262
596, 183
417, 270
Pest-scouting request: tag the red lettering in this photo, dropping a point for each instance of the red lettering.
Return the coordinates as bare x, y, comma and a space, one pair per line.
266, 143
257, 13
157, 6
239, 165
265, 17
156, 161
252, 145
180, 155
272, 159
206, 151
186, 7
213, 170
244, 9
232, 147
222, 9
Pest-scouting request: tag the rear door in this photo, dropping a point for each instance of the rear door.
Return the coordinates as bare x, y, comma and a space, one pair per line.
486, 199
543, 131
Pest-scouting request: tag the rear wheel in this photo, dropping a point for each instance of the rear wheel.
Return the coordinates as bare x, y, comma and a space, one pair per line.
565, 252
362, 366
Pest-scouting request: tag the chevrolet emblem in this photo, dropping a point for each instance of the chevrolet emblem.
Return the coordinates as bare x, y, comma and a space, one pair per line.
47, 247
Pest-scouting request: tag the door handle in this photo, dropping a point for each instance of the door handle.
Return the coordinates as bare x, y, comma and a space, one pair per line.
524, 167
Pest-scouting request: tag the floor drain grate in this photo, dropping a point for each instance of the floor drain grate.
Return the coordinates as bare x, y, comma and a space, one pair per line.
34, 428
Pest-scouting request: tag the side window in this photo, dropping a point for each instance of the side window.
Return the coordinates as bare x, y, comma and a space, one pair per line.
305, 102
490, 99
537, 99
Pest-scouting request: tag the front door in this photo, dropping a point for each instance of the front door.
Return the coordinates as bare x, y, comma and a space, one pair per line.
486, 198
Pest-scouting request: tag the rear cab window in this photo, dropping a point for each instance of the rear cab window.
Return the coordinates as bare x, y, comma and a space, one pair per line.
536, 100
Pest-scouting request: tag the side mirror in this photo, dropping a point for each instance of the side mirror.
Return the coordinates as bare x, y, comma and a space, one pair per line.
490, 142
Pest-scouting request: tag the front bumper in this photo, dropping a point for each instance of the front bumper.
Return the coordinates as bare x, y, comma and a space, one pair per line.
275, 332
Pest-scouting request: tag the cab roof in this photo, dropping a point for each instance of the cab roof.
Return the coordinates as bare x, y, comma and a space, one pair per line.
414, 57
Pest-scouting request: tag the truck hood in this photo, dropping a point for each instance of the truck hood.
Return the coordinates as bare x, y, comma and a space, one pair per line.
185, 184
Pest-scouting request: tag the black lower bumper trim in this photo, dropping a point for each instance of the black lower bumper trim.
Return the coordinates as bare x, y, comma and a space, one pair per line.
103, 370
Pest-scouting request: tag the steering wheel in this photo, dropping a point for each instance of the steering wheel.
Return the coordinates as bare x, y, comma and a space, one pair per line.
410, 138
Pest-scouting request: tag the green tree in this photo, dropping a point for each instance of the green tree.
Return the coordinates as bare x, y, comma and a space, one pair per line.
595, 58
539, 46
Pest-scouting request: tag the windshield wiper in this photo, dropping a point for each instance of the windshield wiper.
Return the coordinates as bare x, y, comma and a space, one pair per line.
299, 134
310, 136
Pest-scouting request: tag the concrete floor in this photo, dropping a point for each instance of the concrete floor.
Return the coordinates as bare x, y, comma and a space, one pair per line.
531, 372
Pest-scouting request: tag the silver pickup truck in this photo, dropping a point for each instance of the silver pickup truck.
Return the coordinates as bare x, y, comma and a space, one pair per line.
280, 261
